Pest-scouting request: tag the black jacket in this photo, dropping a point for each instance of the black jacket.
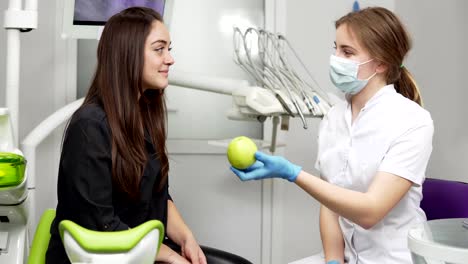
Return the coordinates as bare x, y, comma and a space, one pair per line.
85, 191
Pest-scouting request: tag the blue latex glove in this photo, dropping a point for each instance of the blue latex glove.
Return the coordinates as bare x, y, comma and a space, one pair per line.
333, 262
268, 166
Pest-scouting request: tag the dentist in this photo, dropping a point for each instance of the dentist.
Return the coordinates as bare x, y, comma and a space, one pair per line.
373, 149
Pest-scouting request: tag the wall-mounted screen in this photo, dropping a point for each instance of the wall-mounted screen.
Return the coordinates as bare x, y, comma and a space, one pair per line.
84, 19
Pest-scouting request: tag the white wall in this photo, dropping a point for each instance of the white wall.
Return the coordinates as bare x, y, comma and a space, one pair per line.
202, 44
438, 62
42, 78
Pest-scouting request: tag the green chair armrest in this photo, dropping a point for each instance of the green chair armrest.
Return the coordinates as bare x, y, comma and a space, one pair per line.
41, 238
110, 242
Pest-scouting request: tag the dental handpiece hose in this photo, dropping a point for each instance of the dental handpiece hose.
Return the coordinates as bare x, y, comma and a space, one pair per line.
300, 113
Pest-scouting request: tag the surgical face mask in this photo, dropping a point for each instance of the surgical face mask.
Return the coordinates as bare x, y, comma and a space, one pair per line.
344, 75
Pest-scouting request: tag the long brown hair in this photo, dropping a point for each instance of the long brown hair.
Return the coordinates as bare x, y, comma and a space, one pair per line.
117, 85
386, 39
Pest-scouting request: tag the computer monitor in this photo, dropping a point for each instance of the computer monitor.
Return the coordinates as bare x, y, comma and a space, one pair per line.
85, 19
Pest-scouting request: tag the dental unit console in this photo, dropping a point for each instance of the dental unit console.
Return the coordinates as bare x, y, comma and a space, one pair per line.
13, 196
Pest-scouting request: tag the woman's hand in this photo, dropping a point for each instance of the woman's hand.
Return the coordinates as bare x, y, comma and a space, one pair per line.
192, 251
168, 256
175, 258
179, 232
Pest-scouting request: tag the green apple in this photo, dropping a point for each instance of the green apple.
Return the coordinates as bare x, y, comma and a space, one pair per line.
241, 152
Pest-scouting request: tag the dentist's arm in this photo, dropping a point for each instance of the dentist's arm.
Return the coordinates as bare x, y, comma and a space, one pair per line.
407, 157
330, 233
363, 208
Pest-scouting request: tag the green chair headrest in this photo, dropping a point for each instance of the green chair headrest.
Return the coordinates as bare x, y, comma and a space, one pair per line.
108, 242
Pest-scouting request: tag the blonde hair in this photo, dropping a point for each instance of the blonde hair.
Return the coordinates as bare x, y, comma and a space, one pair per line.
381, 33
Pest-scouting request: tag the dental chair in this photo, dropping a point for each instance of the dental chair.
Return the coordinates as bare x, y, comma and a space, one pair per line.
138, 245
134, 246
216, 256
41, 239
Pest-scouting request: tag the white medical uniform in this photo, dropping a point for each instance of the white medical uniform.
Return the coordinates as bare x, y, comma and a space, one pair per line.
391, 134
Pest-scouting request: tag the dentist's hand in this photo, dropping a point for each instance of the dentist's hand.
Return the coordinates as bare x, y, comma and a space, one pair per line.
268, 166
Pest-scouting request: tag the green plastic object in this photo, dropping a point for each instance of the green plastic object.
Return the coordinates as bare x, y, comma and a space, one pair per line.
110, 242
41, 238
12, 168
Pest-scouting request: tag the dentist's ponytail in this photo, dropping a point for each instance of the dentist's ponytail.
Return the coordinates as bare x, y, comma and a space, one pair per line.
406, 86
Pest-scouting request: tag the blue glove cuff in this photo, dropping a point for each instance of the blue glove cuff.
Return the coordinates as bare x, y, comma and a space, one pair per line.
295, 170
333, 262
